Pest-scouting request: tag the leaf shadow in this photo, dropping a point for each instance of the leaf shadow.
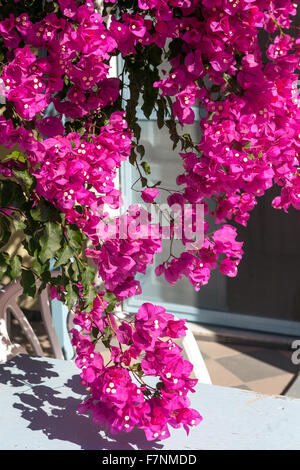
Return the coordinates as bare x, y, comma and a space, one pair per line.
53, 409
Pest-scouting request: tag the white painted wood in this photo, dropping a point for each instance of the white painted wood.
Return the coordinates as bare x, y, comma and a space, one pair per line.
194, 355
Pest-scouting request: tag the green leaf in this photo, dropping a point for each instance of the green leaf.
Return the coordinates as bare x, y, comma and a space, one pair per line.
75, 237
133, 157
175, 48
155, 53
106, 339
50, 242
28, 283
146, 168
73, 271
88, 276
137, 130
90, 297
94, 333
247, 145
138, 369
160, 114
111, 308
15, 266
150, 93
71, 294
141, 150
17, 156
46, 275
35, 212
37, 266
160, 385
112, 301
11, 195
109, 297
31, 241
40, 212
27, 179
64, 256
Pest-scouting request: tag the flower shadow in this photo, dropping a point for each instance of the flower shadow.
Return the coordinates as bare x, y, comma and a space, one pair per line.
53, 409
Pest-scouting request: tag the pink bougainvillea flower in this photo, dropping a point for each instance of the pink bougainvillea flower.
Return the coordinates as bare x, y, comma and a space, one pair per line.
149, 194
50, 126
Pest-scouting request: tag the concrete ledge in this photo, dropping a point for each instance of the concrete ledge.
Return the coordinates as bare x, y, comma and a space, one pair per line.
220, 334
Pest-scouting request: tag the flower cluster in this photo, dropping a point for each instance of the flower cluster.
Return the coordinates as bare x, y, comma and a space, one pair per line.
250, 135
121, 398
128, 252
197, 265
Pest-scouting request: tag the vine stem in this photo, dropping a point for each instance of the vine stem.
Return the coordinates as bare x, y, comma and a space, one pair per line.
107, 314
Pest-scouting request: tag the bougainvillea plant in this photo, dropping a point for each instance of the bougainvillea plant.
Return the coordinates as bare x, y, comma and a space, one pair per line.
67, 125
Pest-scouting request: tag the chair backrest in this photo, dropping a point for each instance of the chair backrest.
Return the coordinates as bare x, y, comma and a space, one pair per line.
9, 306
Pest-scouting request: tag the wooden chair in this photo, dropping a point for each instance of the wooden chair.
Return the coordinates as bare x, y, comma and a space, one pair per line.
9, 306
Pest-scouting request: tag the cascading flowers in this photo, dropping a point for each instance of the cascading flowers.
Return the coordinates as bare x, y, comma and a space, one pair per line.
69, 125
